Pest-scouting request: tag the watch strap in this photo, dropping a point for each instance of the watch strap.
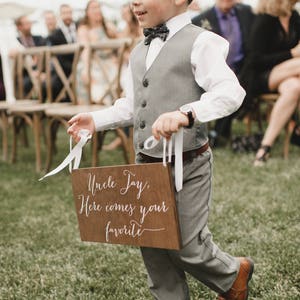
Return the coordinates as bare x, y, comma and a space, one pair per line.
191, 119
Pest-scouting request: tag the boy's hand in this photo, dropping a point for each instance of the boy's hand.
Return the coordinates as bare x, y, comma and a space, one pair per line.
78, 122
169, 123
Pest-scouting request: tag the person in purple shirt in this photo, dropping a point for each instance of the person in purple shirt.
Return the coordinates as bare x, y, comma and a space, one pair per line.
233, 21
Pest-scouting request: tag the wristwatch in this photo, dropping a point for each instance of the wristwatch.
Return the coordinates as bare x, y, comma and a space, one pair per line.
188, 111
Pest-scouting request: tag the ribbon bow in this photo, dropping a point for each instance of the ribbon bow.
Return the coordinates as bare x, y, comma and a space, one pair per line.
75, 154
151, 142
160, 31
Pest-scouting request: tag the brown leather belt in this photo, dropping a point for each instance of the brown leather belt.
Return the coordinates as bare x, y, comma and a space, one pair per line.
188, 155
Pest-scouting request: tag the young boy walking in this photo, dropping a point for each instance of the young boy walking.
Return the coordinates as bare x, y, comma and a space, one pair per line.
178, 78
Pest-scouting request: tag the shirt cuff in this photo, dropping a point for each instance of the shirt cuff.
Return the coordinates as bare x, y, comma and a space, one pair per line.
103, 119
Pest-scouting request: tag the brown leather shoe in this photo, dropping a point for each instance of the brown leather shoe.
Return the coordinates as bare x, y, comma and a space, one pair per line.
239, 289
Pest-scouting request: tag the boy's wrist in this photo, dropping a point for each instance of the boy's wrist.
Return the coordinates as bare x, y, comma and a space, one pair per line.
188, 111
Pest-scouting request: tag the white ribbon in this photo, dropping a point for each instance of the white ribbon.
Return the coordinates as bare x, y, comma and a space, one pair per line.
75, 154
151, 142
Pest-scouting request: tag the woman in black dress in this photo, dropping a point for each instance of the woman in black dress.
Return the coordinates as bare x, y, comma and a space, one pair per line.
274, 63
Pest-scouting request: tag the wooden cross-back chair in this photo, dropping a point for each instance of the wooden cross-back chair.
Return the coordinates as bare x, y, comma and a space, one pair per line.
34, 114
29, 114
112, 85
270, 100
20, 62
61, 116
54, 58
108, 58
29, 61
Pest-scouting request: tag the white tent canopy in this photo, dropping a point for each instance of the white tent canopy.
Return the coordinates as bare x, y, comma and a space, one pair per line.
54, 4
10, 10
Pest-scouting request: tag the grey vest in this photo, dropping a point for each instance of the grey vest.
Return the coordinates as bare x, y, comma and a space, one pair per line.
168, 84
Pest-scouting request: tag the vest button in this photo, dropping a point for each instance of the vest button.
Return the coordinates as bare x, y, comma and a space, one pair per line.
142, 124
141, 145
145, 82
144, 103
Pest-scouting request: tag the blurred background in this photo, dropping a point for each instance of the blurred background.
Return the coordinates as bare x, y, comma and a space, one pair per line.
11, 9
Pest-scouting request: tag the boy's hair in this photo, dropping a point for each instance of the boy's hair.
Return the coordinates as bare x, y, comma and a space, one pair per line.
189, 2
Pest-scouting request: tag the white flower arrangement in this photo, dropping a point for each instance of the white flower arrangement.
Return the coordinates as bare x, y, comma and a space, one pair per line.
205, 24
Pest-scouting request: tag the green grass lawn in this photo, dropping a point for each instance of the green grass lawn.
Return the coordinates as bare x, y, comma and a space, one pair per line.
255, 213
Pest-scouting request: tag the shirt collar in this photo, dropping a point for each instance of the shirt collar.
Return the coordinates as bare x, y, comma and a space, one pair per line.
221, 15
178, 22
63, 26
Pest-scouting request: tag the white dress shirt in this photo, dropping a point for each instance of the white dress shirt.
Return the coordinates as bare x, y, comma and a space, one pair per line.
223, 93
69, 32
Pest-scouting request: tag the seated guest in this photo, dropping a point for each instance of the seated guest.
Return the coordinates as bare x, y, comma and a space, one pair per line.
65, 33
274, 64
25, 37
23, 25
132, 30
93, 28
50, 21
233, 21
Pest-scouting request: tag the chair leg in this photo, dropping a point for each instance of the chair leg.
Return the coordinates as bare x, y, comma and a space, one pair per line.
50, 143
14, 142
95, 145
124, 139
43, 132
4, 119
130, 147
248, 123
37, 133
24, 134
21, 129
286, 145
54, 128
259, 118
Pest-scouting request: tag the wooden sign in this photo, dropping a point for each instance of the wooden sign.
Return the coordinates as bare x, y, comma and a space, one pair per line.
132, 205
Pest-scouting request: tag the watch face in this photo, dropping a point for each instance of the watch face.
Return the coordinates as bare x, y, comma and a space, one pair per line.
185, 108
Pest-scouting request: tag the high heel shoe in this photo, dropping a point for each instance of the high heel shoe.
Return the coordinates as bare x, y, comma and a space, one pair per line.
295, 136
262, 159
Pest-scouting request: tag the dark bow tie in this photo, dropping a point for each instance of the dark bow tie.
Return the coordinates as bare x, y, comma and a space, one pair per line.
160, 31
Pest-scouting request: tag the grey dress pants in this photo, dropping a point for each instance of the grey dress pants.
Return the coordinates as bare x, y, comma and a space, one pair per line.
199, 256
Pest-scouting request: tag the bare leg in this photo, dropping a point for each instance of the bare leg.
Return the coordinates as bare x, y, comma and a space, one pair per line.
284, 107
289, 68
113, 145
